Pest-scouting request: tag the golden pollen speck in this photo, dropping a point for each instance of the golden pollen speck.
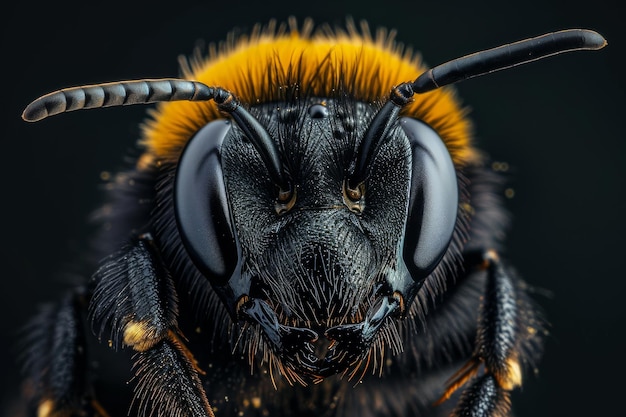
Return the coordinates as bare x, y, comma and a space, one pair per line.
468, 208
500, 166
509, 193
45, 408
513, 376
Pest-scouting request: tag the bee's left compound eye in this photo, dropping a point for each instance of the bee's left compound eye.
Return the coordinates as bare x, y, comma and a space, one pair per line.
201, 205
433, 201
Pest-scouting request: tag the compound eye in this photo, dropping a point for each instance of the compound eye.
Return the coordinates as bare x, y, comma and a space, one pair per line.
201, 204
433, 200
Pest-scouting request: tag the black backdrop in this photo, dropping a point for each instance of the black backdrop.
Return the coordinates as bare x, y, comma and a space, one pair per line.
557, 123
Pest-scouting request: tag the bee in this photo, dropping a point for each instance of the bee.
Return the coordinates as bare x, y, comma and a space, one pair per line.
309, 230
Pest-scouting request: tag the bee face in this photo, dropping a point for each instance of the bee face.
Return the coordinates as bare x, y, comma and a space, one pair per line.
322, 259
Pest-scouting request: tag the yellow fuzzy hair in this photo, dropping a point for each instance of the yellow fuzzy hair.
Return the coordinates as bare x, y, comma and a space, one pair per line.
321, 62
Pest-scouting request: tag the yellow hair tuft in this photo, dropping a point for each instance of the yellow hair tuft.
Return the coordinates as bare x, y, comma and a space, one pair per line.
262, 66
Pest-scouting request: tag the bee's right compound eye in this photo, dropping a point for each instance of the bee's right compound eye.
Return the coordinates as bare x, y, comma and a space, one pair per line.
201, 204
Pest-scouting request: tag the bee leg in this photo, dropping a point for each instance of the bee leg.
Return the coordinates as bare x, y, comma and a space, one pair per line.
135, 302
507, 337
55, 362
484, 398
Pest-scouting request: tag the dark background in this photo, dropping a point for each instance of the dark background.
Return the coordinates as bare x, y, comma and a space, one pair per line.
558, 123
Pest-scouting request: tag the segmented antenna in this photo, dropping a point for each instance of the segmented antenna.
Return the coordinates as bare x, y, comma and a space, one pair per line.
125, 93
507, 56
469, 66
115, 94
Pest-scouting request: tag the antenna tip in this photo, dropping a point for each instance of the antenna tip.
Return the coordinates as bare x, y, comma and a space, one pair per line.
34, 112
593, 40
